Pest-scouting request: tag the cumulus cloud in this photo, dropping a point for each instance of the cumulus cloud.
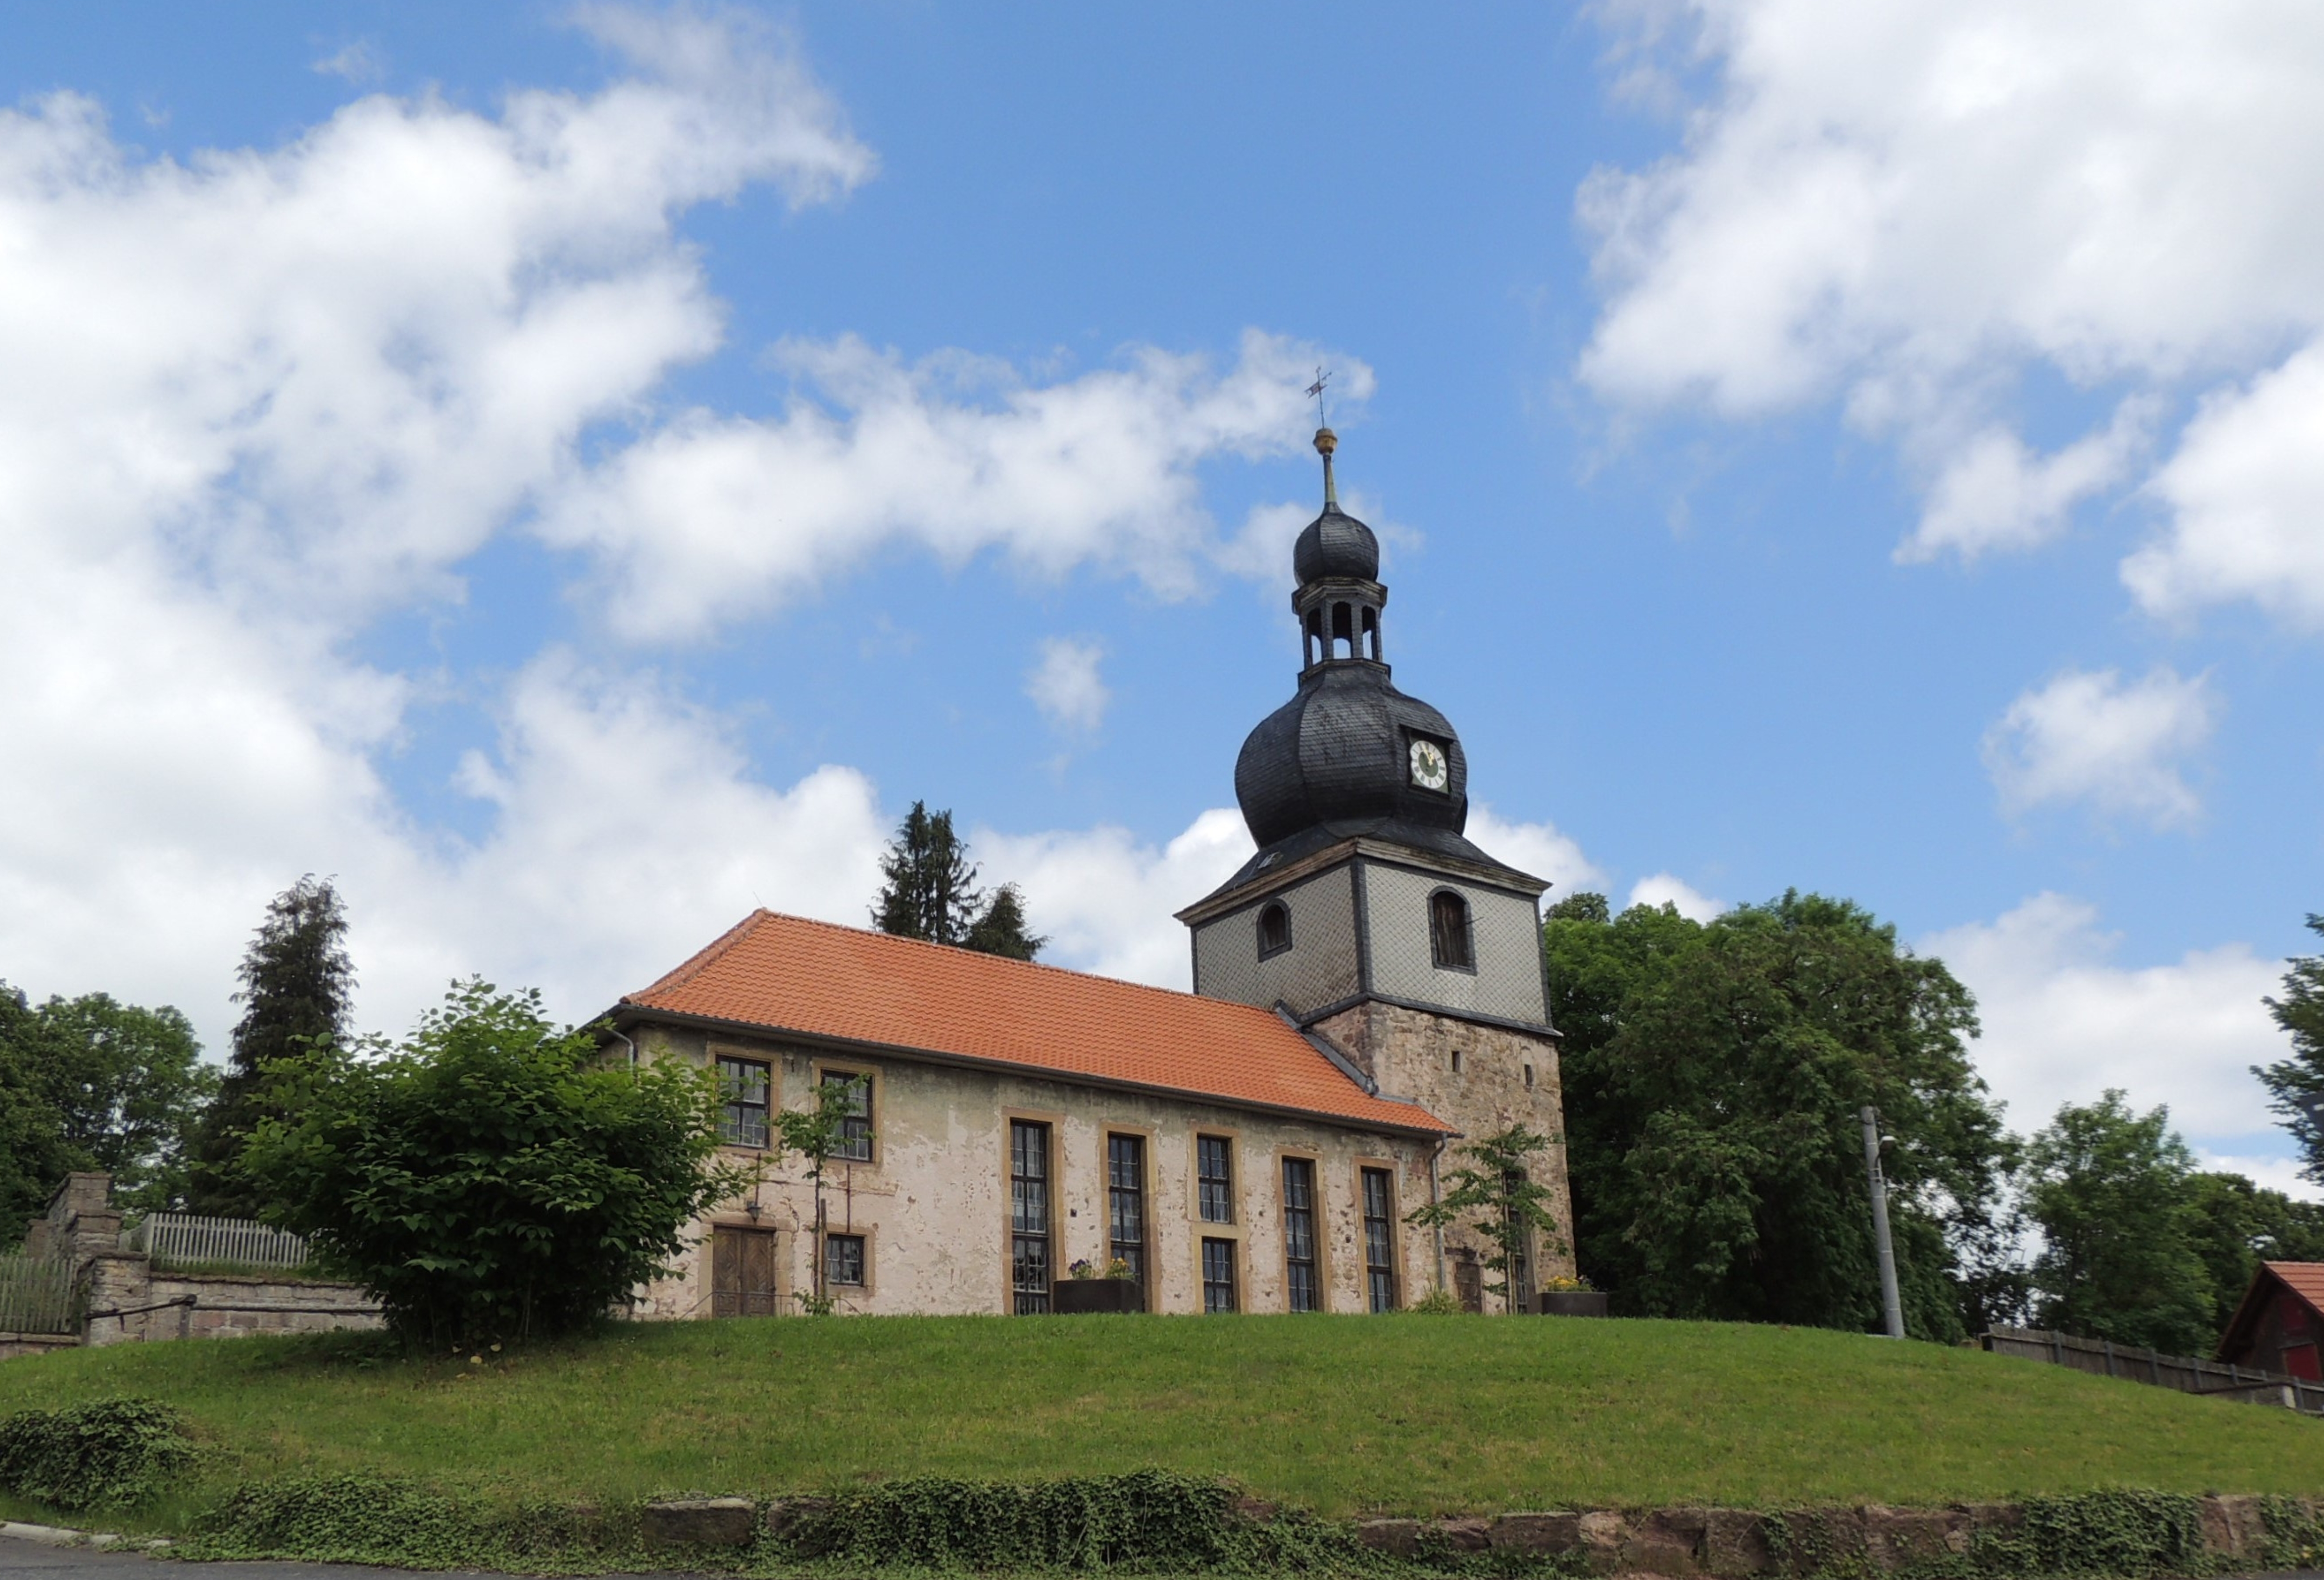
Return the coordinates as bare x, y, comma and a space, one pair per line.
2062, 1022
2089, 737
712, 517
1909, 207
1541, 848
358, 62
1665, 888
1065, 684
2245, 493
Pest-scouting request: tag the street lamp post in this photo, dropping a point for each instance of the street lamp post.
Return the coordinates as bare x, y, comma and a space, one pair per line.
1891, 1303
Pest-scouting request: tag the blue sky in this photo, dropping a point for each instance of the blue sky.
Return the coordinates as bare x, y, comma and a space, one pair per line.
575, 474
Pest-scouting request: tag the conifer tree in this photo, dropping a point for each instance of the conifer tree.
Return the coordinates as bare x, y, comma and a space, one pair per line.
931, 893
297, 987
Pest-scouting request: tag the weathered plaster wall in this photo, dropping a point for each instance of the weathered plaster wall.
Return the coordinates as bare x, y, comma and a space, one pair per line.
1410, 1052
934, 1201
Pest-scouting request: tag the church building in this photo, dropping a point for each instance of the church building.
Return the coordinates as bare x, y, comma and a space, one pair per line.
1369, 989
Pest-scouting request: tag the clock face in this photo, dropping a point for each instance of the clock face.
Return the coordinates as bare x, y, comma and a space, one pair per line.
1430, 771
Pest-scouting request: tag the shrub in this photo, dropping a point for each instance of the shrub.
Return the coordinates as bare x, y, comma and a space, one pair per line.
493, 1177
107, 1453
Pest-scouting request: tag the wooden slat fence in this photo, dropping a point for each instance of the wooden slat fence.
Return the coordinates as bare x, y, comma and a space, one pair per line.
180, 1239
2132, 1364
36, 1295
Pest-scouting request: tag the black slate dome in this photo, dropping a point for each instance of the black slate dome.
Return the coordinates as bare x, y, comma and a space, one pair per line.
1335, 545
1338, 755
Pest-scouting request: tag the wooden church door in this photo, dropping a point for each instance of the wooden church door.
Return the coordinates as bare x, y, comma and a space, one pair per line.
742, 1272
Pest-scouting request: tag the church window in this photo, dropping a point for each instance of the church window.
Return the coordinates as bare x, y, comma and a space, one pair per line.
1218, 1275
855, 1127
843, 1260
1380, 1239
742, 1102
1302, 1287
1528, 1078
1344, 630
1028, 1214
1274, 928
1371, 636
1456, 1061
1214, 1178
1449, 944
1125, 1203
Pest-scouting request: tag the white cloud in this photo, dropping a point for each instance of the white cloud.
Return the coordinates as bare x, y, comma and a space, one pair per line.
1538, 848
1663, 888
712, 518
358, 62
2271, 1172
2088, 736
2063, 1024
1106, 902
1909, 207
2246, 491
1065, 684
1996, 494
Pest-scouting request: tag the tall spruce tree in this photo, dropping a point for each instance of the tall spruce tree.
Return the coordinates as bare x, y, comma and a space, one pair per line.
2297, 1083
297, 987
931, 893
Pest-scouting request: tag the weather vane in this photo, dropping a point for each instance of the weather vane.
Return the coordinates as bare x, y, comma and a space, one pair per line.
1316, 389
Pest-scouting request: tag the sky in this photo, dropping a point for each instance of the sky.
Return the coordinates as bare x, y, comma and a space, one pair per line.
574, 473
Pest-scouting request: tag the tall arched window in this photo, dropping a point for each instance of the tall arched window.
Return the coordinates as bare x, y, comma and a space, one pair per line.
1448, 931
1273, 929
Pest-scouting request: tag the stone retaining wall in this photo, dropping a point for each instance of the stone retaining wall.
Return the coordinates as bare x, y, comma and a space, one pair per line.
12, 1345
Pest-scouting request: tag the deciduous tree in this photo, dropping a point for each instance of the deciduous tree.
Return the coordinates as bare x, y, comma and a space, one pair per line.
2297, 1083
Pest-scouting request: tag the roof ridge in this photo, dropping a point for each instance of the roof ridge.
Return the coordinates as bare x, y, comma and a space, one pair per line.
693, 964
955, 949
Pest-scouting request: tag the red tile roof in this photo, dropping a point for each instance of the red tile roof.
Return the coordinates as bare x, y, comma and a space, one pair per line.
2305, 1279
790, 974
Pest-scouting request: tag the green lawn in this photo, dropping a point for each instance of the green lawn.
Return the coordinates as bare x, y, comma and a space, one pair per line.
1346, 1415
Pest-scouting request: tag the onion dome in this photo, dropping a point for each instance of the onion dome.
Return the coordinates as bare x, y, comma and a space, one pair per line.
1336, 546
1343, 752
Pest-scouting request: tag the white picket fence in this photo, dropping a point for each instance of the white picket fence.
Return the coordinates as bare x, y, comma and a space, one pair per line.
179, 1239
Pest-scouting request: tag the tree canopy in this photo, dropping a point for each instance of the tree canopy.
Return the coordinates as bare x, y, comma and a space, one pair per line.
2297, 1083
1712, 1076
930, 893
491, 1177
297, 987
92, 1083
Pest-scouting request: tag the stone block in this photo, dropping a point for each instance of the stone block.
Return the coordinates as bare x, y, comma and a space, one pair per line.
698, 1522
1822, 1539
1604, 1534
785, 1516
1668, 1542
1536, 1533
2232, 1526
1398, 1538
1980, 1518
1463, 1536
1735, 1542
1897, 1538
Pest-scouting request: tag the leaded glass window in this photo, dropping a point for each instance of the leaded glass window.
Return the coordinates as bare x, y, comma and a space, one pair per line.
1028, 1215
1125, 1202
742, 1102
1379, 1240
1218, 1275
1300, 1283
855, 1127
1214, 1178
843, 1259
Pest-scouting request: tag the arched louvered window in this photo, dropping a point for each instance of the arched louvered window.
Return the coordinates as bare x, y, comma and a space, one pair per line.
1273, 929
1449, 942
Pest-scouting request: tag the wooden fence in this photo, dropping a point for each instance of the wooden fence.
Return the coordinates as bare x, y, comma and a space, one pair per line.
36, 1295
180, 1239
2132, 1364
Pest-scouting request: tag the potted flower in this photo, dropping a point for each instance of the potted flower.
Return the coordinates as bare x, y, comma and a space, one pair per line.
1090, 1287
1572, 1297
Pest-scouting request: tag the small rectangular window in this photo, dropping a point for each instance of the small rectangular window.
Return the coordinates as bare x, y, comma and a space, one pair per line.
843, 1260
1214, 1183
742, 1102
855, 1129
1380, 1239
1218, 1275
1305, 1292
1028, 1215
1125, 1201
1449, 945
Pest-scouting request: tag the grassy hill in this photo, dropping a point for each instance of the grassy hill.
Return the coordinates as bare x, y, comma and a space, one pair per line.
1346, 1415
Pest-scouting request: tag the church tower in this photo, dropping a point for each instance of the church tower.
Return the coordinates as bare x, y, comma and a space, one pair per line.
1367, 917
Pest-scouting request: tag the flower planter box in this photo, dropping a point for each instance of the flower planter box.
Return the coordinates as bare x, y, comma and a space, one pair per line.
1573, 1302
1073, 1296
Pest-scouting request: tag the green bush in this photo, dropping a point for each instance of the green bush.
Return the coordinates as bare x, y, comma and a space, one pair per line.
493, 1178
110, 1453
1148, 1517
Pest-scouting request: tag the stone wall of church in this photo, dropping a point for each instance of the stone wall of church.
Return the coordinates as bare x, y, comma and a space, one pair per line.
1319, 968
933, 1203
1480, 1078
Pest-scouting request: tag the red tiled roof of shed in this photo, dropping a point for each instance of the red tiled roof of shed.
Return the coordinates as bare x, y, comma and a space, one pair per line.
2305, 1279
782, 973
